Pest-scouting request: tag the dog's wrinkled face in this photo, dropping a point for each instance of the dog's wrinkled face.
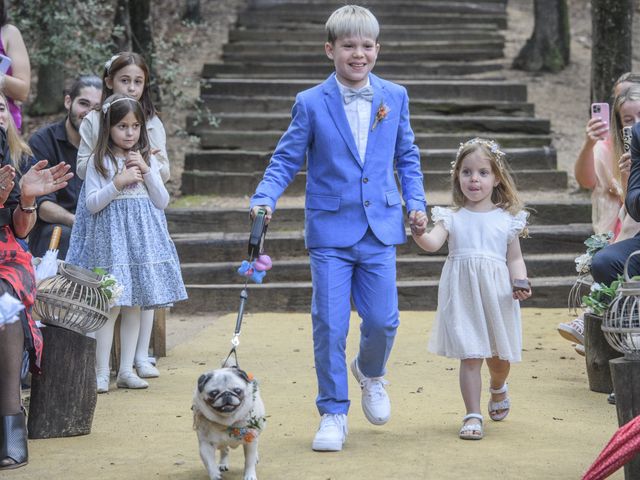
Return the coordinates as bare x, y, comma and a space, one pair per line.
224, 390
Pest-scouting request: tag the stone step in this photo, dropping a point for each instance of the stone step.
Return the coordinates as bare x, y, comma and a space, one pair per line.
387, 33
231, 247
549, 292
457, 90
469, 54
298, 19
195, 182
234, 219
420, 123
380, 9
225, 139
408, 268
248, 161
418, 106
390, 47
321, 70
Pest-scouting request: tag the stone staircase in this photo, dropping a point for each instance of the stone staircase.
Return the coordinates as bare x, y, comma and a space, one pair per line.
449, 55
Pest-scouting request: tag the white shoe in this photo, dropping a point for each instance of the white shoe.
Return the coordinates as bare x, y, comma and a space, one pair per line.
331, 433
130, 380
375, 401
146, 370
102, 382
573, 330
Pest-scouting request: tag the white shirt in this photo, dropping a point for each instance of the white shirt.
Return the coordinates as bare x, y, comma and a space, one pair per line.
358, 115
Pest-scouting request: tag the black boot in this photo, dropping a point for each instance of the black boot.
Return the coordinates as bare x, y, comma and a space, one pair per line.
13, 441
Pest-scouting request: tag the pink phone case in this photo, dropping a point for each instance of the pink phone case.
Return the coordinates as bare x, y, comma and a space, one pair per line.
600, 110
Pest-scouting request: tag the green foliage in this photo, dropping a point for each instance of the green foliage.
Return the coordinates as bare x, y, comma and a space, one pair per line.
173, 81
71, 35
601, 296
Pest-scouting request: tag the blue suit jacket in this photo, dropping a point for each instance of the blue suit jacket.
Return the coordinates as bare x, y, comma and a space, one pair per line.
343, 196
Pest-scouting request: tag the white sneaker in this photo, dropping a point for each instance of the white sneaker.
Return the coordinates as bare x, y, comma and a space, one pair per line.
573, 330
130, 380
331, 433
375, 401
146, 370
102, 382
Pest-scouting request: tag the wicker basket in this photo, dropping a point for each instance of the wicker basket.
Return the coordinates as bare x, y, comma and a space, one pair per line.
72, 299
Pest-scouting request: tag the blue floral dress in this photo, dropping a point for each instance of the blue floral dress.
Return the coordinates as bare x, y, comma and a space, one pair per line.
130, 240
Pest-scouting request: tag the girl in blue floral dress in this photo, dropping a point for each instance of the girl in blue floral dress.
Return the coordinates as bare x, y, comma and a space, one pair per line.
126, 232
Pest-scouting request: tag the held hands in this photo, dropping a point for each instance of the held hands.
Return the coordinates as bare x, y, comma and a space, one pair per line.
597, 129
132, 172
267, 217
7, 174
39, 180
418, 222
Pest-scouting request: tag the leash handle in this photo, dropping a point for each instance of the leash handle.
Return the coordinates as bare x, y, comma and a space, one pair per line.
258, 231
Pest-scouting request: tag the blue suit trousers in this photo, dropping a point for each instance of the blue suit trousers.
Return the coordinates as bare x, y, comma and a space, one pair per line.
365, 272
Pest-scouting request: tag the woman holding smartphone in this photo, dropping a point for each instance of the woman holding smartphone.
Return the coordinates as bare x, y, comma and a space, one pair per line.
603, 166
15, 75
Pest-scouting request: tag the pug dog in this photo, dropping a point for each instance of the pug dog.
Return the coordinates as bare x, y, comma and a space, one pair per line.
228, 412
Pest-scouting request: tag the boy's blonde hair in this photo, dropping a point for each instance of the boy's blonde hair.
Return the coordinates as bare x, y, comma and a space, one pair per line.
352, 21
504, 194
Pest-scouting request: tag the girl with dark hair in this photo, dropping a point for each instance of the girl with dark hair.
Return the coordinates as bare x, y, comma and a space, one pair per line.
125, 73
125, 233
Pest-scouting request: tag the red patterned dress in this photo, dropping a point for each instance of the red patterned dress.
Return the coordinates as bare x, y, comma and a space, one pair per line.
17, 271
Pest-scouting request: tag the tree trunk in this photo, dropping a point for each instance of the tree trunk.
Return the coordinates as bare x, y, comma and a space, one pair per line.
192, 11
121, 34
611, 31
49, 98
548, 47
63, 397
142, 39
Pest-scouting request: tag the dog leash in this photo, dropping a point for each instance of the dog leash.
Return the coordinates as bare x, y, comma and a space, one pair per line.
256, 243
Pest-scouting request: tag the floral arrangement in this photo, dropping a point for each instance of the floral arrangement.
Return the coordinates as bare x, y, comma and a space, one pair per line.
109, 286
381, 114
600, 296
594, 244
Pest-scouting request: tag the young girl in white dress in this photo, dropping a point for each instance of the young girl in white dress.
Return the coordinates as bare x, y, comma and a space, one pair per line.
483, 278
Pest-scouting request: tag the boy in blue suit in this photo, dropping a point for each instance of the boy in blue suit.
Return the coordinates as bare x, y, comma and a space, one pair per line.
353, 130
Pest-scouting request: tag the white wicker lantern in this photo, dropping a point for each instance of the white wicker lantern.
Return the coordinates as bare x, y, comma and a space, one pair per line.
72, 299
621, 322
580, 288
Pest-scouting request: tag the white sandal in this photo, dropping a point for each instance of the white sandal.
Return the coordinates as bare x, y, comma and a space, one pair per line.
473, 431
499, 410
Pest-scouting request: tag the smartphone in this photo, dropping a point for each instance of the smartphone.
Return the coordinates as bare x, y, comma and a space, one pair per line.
626, 138
5, 63
601, 111
521, 284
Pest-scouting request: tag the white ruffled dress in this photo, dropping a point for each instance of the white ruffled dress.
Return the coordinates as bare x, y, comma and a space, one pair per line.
477, 316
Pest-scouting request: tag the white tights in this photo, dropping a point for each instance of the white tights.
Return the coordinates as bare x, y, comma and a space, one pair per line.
135, 335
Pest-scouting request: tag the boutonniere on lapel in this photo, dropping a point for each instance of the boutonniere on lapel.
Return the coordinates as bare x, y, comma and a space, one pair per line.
381, 114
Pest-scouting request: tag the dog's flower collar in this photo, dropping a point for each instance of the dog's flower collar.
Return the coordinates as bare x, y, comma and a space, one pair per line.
249, 432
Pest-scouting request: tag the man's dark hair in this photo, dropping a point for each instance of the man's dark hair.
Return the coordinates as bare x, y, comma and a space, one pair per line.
82, 82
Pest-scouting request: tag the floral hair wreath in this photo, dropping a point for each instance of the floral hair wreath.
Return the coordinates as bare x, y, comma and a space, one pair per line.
107, 64
493, 147
107, 105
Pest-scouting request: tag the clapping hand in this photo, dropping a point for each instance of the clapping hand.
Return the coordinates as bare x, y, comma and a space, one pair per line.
39, 180
7, 174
